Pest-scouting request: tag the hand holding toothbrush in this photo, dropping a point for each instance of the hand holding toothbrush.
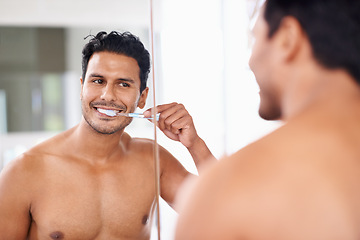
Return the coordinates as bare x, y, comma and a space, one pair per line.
177, 124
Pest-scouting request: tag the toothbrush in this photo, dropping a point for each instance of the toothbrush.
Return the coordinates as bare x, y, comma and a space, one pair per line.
112, 113
137, 115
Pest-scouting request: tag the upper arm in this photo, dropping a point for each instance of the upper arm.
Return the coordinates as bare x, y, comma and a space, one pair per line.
14, 202
172, 176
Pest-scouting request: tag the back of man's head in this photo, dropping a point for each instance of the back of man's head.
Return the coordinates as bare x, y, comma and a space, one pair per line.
332, 27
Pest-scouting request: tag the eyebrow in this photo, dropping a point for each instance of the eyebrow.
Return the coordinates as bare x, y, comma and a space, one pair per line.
95, 75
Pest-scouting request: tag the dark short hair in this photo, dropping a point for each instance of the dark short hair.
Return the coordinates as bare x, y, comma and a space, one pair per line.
121, 43
332, 26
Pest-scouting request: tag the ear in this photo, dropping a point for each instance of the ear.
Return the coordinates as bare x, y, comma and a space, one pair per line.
142, 99
290, 38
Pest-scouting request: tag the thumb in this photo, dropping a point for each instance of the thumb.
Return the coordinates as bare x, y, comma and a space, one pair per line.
147, 113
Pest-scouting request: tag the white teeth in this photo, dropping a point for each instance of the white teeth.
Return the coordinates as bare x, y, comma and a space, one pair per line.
108, 112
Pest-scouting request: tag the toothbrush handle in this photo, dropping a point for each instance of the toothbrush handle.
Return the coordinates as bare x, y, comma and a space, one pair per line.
140, 115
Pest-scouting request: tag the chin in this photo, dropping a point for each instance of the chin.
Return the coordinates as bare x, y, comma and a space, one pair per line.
268, 108
270, 114
107, 128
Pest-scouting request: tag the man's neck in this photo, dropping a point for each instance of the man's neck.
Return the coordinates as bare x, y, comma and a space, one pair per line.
325, 88
96, 146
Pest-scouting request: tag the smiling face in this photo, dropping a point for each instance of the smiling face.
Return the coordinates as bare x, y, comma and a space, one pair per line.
111, 85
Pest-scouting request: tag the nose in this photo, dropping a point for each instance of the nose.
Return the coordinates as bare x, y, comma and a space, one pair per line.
108, 93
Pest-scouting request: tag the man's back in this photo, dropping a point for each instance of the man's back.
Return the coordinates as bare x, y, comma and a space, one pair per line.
300, 182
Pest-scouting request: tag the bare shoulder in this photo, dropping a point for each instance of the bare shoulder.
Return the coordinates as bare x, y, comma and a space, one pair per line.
130, 143
139, 148
18, 187
30, 165
16, 194
274, 185
24, 168
147, 146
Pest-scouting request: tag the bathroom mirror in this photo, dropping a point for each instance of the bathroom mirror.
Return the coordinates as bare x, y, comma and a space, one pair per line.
201, 53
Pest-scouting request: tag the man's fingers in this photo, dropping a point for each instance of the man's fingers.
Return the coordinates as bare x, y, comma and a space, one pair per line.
162, 108
171, 120
173, 117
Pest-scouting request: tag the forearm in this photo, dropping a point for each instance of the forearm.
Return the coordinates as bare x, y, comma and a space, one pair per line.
201, 154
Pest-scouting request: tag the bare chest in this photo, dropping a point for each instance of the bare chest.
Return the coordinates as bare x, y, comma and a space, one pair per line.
73, 203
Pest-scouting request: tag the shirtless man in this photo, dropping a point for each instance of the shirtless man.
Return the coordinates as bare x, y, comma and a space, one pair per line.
302, 181
94, 181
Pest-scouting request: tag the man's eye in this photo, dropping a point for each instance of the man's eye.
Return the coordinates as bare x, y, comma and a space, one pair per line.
123, 84
98, 81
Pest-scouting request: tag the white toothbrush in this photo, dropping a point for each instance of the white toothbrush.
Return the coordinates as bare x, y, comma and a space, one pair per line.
112, 113
137, 115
